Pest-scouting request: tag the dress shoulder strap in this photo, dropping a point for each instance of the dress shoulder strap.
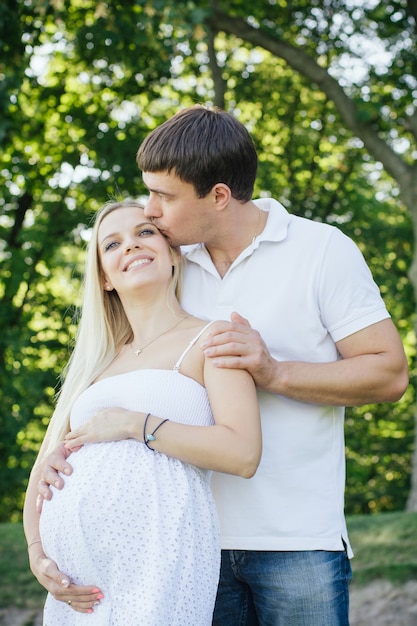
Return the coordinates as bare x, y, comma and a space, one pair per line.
177, 365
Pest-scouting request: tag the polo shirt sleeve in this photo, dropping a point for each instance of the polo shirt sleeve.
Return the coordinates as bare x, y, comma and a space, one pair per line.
349, 298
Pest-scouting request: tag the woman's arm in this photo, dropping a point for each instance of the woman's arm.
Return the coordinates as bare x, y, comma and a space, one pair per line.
83, 598
31, 510
233, 445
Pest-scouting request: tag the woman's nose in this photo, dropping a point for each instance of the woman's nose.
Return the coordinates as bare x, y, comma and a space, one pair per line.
132, 244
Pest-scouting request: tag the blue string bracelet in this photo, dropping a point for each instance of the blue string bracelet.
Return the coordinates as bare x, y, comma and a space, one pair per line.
150, 436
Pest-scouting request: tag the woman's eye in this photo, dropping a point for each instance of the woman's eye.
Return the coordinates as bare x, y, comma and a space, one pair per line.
110, 245
146, 231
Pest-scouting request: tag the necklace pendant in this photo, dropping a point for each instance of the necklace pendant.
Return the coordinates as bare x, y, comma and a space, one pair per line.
139, 350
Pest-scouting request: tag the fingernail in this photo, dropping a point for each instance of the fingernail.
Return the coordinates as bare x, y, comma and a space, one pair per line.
95, 590
96, 603
56, 483
66, 471
90, 611
99, 596
65, 582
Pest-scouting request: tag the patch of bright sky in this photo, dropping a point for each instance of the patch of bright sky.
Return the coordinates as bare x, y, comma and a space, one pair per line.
41, 56
366, 50
68, 174
126, 111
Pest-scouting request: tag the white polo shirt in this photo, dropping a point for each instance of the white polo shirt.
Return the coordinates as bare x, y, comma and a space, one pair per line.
303, 285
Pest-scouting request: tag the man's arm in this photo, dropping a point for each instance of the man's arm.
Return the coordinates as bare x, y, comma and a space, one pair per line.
373, 367
55, 462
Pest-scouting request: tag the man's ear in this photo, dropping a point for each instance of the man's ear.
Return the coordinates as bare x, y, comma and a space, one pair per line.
221, 195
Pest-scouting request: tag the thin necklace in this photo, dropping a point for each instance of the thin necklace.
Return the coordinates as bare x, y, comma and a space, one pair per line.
137, 351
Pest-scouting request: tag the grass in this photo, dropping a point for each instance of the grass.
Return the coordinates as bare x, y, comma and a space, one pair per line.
19, 587
385, 547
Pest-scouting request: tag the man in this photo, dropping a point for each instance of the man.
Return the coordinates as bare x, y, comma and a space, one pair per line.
323, 340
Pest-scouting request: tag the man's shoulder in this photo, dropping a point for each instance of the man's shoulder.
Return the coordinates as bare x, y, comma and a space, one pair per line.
279, 215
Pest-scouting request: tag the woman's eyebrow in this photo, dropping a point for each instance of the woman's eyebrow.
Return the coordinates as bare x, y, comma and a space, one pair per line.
137, 226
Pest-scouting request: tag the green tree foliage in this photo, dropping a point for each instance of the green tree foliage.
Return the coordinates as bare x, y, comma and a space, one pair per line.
66, 147
83, 82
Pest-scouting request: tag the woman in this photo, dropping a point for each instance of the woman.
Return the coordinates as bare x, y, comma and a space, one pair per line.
147, 413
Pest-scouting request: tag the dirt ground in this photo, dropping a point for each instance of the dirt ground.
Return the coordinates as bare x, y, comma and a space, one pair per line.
377, 604
383, 604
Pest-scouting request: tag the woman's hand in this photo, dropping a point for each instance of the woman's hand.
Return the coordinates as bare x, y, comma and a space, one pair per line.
79, 597
113, 424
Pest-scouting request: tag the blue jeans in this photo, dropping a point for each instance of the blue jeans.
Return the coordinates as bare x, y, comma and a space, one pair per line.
260, 588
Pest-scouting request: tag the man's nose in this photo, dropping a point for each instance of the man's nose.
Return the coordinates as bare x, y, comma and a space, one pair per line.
152, 207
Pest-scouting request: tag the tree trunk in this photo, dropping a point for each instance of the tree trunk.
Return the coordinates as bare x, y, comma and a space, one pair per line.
412, 274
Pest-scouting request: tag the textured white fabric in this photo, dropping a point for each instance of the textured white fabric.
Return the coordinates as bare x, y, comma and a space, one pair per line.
139, 525
303, 285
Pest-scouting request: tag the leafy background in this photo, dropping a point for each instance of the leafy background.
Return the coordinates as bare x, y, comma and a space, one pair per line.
328, 91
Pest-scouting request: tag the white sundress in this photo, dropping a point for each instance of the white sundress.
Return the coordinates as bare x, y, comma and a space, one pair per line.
139, 525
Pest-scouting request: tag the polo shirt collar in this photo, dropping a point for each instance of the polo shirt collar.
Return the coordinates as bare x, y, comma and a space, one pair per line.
276, 229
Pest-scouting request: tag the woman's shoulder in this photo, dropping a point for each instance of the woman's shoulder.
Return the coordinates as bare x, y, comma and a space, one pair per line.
204, 328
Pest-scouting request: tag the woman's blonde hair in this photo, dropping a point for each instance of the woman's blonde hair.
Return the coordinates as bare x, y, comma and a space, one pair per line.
102, 330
